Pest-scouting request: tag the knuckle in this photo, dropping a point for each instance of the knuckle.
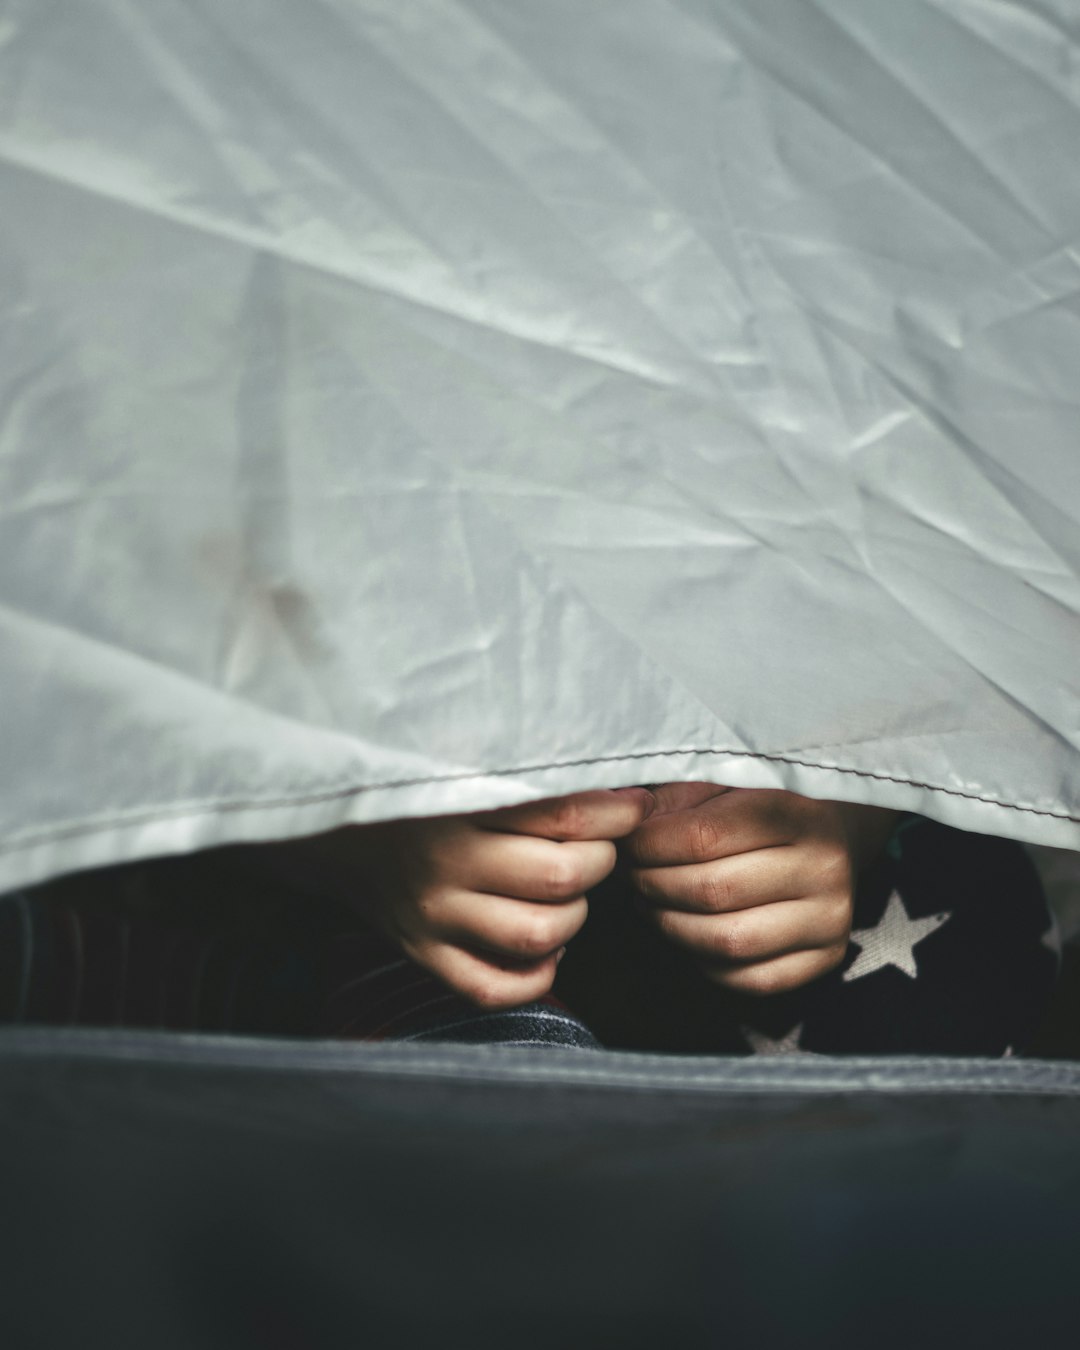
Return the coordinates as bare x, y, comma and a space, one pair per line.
646, 884
476, 987
537, 936
564, 876
714, 892
734, 940
498, 990
568, 818
669, 922
490, 990
494, 998
484, 995
702, 837
762, 981
429, 904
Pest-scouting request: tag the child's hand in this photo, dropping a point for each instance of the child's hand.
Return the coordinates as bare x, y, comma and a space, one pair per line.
758, 885
486, 902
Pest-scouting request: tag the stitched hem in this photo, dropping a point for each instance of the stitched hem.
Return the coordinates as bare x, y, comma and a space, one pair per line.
338, 792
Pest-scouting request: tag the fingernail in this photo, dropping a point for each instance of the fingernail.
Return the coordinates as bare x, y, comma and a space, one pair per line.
560, 954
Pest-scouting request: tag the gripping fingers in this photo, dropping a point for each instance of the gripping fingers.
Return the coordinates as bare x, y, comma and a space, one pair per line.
535, 869
721, 826
519, 930
742, 882
778, 976
753, 935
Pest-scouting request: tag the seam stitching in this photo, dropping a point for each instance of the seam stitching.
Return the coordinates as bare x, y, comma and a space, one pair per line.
356, 789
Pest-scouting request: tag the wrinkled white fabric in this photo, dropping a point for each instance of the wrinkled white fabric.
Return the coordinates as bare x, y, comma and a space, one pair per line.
418, 407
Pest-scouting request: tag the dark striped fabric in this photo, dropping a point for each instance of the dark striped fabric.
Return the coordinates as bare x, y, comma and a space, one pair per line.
66, 962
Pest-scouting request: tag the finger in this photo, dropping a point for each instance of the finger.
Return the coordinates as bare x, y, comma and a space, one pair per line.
484, 979
747, 879
781, 975
529, 868
681, 796
732, 822
753, 935
603, 814
518, 929
741, 882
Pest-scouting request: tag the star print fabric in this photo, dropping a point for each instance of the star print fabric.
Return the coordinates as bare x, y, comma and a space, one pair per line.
951, 953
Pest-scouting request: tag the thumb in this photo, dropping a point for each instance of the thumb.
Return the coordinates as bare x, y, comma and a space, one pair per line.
602, 813
683, 796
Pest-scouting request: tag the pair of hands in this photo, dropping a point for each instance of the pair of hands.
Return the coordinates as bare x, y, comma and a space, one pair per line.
756, 884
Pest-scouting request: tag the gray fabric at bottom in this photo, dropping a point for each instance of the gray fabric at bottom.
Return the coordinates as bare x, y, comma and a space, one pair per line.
189, 1192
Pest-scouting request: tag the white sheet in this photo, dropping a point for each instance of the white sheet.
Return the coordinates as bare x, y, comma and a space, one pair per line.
417, 407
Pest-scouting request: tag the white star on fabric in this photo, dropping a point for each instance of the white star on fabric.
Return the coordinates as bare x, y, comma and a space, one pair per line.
892, 942
783, 1045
